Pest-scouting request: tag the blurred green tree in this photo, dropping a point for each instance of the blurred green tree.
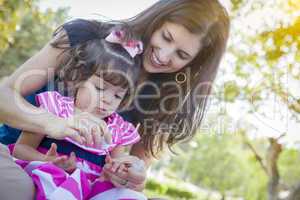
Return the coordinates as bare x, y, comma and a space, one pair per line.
26, 30
264, 73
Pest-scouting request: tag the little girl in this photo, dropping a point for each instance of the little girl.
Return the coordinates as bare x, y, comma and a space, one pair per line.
111, 64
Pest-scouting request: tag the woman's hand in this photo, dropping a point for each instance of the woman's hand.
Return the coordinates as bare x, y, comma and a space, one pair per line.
126, 172
64, 162
83, 127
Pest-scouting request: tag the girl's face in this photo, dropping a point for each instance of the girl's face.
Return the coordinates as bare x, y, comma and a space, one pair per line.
171, 47
99, 97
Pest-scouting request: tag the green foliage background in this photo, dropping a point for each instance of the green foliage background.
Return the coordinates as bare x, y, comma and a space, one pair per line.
219, 164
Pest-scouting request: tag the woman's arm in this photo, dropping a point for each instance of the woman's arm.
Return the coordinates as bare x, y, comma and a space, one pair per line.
135, 177
29, 77
139, 151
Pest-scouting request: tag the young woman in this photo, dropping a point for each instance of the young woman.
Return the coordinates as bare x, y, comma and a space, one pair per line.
184, 41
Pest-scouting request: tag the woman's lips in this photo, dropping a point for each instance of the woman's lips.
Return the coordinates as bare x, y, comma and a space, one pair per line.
154, 60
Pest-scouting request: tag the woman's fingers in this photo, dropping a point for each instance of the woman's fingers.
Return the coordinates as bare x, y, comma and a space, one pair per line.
117, 181
82, 125
92, 129
134, 176
97, 138
115, 166
122, 168
105, 132
125, 183
126, 159
136, 187
75, 135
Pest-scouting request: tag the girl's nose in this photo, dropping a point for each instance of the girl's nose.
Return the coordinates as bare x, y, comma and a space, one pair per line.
108, 97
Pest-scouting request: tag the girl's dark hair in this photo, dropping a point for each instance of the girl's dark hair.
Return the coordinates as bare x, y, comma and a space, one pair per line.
97, 56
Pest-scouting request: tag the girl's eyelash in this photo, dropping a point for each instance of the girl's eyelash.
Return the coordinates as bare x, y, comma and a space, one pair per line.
100, 89
118, 96
165, 37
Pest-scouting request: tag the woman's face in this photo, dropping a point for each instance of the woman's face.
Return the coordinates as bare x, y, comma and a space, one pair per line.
171, 47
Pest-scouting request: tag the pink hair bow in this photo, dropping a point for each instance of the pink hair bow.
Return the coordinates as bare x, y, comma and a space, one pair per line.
133, 47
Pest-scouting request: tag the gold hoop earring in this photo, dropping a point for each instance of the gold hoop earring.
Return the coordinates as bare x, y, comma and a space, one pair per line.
180, 77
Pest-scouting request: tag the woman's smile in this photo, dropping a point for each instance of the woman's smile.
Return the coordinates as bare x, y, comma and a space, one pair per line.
155, 60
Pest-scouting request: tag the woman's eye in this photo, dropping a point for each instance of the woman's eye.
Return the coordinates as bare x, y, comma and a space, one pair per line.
181, 56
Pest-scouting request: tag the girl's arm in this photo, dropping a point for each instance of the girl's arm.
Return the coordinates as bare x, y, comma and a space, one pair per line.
26, 147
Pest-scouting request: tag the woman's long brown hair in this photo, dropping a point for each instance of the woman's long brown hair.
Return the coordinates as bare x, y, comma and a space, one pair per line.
210, 20
204, 17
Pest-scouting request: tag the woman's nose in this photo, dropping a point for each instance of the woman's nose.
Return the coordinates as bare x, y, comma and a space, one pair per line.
165, 56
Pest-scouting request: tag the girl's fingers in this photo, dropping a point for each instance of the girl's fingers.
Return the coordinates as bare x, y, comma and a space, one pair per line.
72, 159
90, 128
52, 151
60, 160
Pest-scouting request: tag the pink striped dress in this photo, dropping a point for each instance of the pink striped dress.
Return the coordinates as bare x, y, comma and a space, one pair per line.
53, 182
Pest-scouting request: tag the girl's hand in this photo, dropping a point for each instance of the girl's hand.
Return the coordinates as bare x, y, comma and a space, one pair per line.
126, 172
83, 127
64, 162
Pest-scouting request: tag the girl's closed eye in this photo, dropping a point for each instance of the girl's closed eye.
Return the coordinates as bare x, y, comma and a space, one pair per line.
120, 95
166, 37
100, 88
